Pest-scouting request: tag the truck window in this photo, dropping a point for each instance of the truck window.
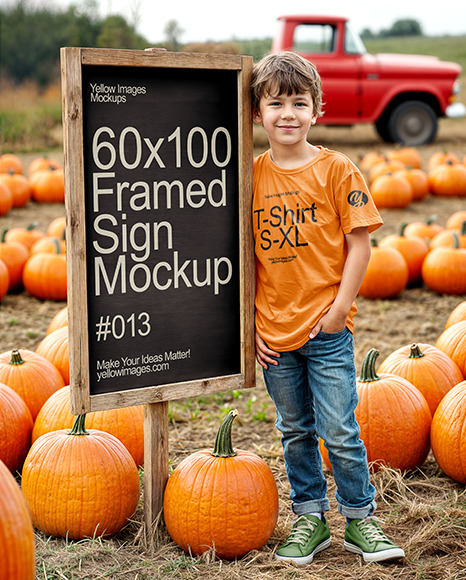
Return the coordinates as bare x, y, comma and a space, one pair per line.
314, 38
353, 42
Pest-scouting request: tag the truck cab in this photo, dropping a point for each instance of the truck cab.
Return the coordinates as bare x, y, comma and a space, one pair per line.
402, 95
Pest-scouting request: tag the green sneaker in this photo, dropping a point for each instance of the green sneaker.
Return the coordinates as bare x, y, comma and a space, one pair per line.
365, 537
308, 536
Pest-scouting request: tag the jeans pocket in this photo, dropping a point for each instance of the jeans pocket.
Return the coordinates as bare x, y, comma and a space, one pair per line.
331, 335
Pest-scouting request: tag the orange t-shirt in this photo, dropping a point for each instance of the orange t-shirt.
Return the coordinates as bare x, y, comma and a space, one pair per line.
300, 218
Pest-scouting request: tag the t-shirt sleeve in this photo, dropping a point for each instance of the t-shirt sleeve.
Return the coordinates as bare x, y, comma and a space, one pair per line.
355, 204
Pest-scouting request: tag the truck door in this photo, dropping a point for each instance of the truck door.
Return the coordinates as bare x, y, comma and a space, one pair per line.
338, 63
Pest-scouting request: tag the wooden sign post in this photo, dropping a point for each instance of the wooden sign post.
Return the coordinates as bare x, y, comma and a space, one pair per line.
158, 189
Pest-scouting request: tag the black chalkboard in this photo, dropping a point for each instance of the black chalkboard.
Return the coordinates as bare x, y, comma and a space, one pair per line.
161, 197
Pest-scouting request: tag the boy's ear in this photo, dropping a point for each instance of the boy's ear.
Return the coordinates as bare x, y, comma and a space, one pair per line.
256, 116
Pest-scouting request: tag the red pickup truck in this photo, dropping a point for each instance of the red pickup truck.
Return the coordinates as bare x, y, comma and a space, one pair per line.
403, 95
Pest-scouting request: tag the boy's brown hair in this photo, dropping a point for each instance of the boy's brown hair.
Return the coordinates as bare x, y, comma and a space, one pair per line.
286, 73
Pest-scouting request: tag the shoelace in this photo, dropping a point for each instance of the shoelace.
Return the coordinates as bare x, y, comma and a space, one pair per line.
371, 530
300, 531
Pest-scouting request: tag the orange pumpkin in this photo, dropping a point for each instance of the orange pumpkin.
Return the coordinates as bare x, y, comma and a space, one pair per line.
391, 190
222, 498
14, 254
409, 156
48, 186
446, 239
4, 280
455, 220
447, 433
48, 245
59, 320
55, 348
448, 179
45, 276
370, 159
444, 269
31, 376
126, 423
10, 161
43, 163
452, 342
394, 418
56, 228
15, 428
17, 548
418, 180
19, 186
440, 158
80, 483
384, 167
413, 249
386, 274
6, 199
458, 314
27, 236
426, 367
426, 229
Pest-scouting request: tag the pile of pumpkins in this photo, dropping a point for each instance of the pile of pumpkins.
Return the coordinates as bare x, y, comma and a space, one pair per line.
397, 178
422, 252
45, 182
413, 402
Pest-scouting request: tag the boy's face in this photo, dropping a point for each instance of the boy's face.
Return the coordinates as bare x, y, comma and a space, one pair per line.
286, 118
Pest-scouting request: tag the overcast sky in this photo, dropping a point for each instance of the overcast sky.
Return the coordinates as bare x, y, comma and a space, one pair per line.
204, 20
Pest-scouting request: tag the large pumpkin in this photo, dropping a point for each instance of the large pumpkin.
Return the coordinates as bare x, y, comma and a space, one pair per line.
17, 550
386, 274
394, 418
426, 229
414, 249
15, 428
418, 180
452, 342
426, 367
458, 314
15, 255
18, 184
444, 269
448, 179
447, 433
391, 190
24, 235
48, 185
32, 376
80, 483
222, 498
55, 348
126, 423
45, 276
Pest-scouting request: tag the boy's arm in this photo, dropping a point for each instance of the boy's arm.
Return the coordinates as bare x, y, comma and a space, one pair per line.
359, 252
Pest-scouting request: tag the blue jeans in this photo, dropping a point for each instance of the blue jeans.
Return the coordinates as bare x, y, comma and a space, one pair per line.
314, 391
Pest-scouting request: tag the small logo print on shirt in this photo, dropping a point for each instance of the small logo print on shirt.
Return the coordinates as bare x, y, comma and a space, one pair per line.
357, 198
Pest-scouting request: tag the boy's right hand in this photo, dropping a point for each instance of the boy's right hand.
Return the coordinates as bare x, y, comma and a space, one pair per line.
264, 353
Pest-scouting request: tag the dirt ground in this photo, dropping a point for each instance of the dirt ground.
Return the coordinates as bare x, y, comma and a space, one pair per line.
425, 511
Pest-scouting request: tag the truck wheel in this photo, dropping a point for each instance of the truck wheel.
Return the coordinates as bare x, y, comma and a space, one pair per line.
381, 126
413, 123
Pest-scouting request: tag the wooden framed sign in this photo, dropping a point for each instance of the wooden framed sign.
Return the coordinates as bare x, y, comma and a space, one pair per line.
158, 187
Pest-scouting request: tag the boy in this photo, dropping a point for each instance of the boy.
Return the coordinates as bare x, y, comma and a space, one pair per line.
312, 214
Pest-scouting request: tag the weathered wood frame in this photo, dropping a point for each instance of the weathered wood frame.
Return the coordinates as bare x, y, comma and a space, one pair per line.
72, 61
155, 398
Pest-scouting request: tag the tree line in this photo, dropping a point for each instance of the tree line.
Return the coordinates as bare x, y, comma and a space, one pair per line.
31, 38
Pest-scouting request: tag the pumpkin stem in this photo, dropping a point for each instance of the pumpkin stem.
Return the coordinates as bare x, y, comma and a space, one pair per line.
368, 373
32, 226
402, 229
415, 352
56, 243
223, 446
430, 220
79, 426
456, 241
374, 243
16, 358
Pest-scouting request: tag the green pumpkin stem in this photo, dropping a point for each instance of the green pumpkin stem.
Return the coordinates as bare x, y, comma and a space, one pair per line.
415, 352
402, 229
368, 373
223, 446
16, 358
79, 426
